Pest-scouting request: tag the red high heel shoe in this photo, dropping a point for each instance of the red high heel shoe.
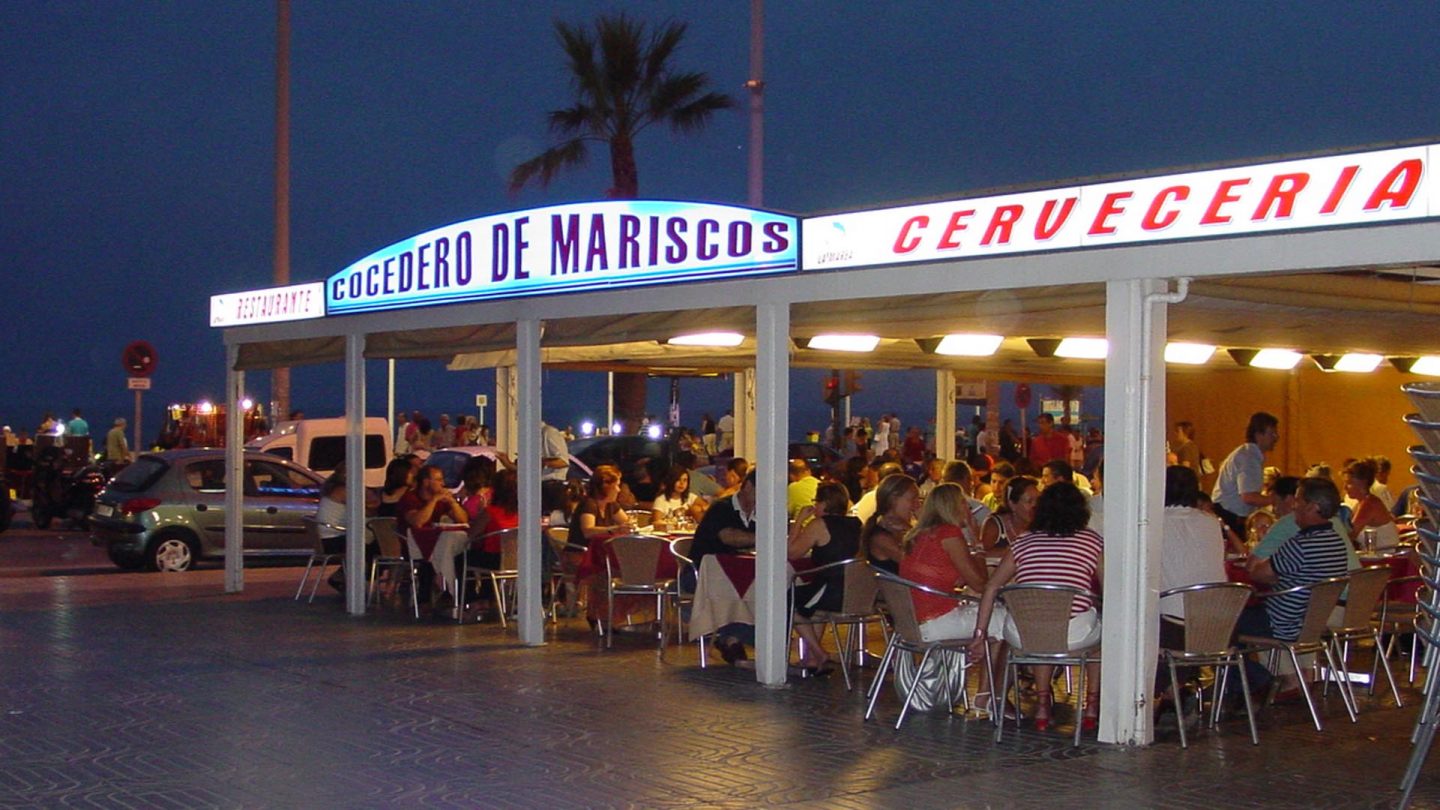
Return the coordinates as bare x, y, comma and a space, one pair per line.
1044, 702
1090, 720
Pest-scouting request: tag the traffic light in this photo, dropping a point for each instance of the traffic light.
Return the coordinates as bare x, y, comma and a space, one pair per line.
852, 383
832, 390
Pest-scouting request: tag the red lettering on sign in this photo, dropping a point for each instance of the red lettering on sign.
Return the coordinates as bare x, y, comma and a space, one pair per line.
1342, 185
1001, 222
1154, 220
1222, 196
1044, 228
954, 227
1109, 208
1407, 175
1280, 194
904, 243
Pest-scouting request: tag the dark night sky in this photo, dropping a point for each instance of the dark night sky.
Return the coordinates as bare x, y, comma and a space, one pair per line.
136, 142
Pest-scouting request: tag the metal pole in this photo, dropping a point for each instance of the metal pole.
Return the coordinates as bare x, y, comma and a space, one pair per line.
390, 401
139, 448
609, 401
772, 422
280, 377
756, 86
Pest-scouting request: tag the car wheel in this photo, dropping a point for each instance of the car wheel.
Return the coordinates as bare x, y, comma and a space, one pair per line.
128, 562
171, 551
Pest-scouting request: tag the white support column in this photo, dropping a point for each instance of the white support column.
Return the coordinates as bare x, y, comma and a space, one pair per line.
234, 471
506, 409
744, 413
772, 410
1134, 498
526, 375
944, 416
355, 474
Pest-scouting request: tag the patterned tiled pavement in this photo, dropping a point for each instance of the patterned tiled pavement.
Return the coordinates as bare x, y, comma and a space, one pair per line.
158, 691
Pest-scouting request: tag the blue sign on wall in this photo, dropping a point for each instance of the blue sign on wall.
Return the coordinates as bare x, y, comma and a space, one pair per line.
567, 248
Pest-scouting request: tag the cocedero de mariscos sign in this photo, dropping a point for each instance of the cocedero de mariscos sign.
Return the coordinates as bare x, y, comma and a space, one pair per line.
1369, 187
568, 248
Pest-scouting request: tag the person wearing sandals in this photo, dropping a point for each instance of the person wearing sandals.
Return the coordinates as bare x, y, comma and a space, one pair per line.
1012, 519
827, 533
937, 556
895, 501
1058, 549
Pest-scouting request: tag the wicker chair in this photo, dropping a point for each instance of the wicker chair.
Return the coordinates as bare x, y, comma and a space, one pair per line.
1367, 586
1312, 639
905, 639
680, 599
1211, 611
391, 557
506, 575
630, 571
857, 610
1041, 614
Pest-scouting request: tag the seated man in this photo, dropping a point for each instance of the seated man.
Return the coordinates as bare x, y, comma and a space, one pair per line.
1285, 489
876, 472
728, 527
801, 490
1316, 552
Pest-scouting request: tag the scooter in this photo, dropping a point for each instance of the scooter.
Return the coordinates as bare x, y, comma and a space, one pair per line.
68, 495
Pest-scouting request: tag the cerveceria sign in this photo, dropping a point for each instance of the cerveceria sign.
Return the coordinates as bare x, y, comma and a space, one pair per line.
566, 248
1370, 187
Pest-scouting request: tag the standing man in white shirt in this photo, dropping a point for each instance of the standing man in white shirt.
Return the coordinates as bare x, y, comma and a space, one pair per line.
1240, 484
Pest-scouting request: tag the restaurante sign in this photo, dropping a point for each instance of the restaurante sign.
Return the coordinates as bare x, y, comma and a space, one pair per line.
1364, 188
567, 248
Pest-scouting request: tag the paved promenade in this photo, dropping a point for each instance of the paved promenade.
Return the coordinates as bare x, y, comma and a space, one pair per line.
148, 690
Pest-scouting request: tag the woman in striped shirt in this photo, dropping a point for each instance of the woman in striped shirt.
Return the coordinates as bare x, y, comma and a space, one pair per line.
1057, 550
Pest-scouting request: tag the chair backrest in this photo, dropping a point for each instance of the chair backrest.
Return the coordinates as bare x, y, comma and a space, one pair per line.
559, 533
1211, 611
509, 547
680, 546
1367, 585
312, 532
1041, 614
1324, 595
637, 556
901, 608
386, 538
860, 589
640, 518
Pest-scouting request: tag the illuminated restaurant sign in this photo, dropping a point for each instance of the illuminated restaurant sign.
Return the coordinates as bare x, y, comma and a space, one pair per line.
568, 248
1365, 188
268, 306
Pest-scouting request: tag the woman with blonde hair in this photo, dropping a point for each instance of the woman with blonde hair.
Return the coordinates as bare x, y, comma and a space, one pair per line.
895, 501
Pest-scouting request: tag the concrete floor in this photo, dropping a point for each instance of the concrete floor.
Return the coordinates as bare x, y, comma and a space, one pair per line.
149, 690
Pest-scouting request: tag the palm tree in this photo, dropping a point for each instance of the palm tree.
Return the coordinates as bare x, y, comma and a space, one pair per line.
624, 82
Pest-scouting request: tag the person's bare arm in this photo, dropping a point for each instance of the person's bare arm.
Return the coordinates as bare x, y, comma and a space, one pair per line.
1262, 572
971, 575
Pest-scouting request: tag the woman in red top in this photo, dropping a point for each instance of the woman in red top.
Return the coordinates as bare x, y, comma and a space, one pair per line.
937, 556
1058, 550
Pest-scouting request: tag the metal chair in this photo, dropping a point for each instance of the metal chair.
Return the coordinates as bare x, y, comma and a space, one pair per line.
905, 639
1211, 611
1398, 617
391, 557
317, 554
630, 571
1312, 639
507, 574
1427, 627
565, 573
857, 610
680, 599
1367, 586
1041, 615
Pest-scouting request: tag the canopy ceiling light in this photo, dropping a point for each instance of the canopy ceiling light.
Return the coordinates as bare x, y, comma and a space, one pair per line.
1083, 348
1281, 359
1189, 354
1043, 347
1358, 362
725, 339
843, 343
967, 345
1429, 365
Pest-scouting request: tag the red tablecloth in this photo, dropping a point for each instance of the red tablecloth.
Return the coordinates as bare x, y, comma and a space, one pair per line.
740, 569
1401, 565
591, 575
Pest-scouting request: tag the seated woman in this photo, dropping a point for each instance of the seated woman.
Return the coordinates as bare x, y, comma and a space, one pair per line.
399, 480
1370, 511
1012, 519
330, 514
827, 533
895, 501
937, 556
423, 509
676, 504
1192, 551
1058, 550
600, 515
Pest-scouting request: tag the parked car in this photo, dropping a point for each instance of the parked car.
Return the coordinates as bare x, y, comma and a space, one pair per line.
819, 456
319, 445
452, 460
166, 510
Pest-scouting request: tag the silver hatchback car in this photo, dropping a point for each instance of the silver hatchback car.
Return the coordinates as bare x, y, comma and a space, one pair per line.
167, 510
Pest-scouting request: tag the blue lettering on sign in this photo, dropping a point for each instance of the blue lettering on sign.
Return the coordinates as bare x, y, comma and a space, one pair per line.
584, 246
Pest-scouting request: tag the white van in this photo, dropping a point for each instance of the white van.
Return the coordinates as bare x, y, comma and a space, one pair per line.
319, 444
